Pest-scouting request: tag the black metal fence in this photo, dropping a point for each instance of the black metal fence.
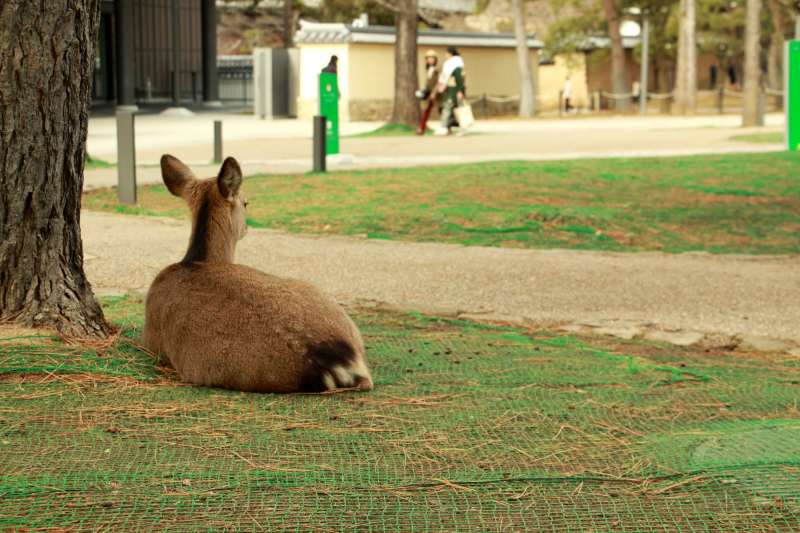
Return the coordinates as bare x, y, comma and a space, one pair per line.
235, 79
154, 68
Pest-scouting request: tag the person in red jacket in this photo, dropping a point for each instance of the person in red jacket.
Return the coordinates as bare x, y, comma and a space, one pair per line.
428, 94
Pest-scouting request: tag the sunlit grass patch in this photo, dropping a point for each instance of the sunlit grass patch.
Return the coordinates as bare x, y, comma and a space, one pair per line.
767, 138
745, 203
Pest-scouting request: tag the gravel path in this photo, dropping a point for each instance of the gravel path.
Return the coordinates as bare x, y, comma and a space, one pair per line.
753, 302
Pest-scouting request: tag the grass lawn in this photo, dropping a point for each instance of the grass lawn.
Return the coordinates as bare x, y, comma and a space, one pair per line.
470, 428
747, 203
399, 130
769, 138
92, 163
388, 130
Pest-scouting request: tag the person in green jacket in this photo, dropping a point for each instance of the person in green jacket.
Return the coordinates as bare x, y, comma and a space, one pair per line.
451, 83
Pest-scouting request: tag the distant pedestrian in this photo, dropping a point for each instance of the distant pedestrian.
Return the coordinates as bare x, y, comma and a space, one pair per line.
732, 78
566, 94
431, 75
428, 94
451, 84
333, 66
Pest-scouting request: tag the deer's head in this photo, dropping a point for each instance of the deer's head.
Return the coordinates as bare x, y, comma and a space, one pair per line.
217, 206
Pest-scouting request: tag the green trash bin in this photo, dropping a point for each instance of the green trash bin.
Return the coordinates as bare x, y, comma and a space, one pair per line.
329, 108
792, 93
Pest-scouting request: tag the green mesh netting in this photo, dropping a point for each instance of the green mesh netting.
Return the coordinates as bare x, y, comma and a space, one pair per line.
469, 428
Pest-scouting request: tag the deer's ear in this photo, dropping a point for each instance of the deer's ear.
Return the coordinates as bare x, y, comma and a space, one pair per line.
176, 175
230, 178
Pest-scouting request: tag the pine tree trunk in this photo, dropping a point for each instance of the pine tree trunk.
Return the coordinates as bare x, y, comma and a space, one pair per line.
619, 75
46, 65
679, 94
686, 66
752, 71
406, 105
288, 24
691, 56
527, 95
776, 41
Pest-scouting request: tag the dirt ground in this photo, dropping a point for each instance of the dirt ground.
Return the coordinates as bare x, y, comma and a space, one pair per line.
750, 301
284, 146
470, 427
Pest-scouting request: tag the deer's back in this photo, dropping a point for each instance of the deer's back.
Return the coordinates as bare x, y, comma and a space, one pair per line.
236, 327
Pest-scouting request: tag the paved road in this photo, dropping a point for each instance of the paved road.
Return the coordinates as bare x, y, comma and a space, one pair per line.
285, 146
702, 296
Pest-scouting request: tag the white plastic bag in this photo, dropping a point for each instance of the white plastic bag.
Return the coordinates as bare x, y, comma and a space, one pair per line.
464, 116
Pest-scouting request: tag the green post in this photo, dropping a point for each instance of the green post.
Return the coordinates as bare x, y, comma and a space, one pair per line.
792, 93
329, 108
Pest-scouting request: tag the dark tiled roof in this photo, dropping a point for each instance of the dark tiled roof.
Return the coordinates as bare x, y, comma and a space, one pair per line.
312, 32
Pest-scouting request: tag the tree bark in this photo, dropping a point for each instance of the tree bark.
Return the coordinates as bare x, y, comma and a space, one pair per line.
46, 65
686, 65
527, 94
619, 76
406, 106
776, 41
752, 71
661, 83
288, 24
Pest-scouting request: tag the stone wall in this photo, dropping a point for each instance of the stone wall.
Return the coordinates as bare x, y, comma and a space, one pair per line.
370, 109
484, 107
381, 109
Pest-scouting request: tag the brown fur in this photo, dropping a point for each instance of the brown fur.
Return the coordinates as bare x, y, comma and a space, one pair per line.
231, 326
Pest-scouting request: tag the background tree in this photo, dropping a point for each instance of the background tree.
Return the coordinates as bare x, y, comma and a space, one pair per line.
752, 68
619, 76
527, 93
288, 23
406, 106
572, 27
778, 17
380, 11
686, 68
46, 65
663, 15
720, 26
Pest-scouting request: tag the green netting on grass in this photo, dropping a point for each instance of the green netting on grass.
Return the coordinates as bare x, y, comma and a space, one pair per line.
470, 427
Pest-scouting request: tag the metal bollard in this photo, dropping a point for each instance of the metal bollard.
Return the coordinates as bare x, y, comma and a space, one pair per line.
126, 158
320, 163
217, 141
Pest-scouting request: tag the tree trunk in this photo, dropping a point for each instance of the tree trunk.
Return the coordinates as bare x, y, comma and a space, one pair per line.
46, 65
679, 93
686, 65
619, 76
527, 94
752, 71
288, 24
406, 105
661, 83
776, 41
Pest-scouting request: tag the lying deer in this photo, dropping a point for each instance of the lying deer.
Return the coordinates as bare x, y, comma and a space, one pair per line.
226, 325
